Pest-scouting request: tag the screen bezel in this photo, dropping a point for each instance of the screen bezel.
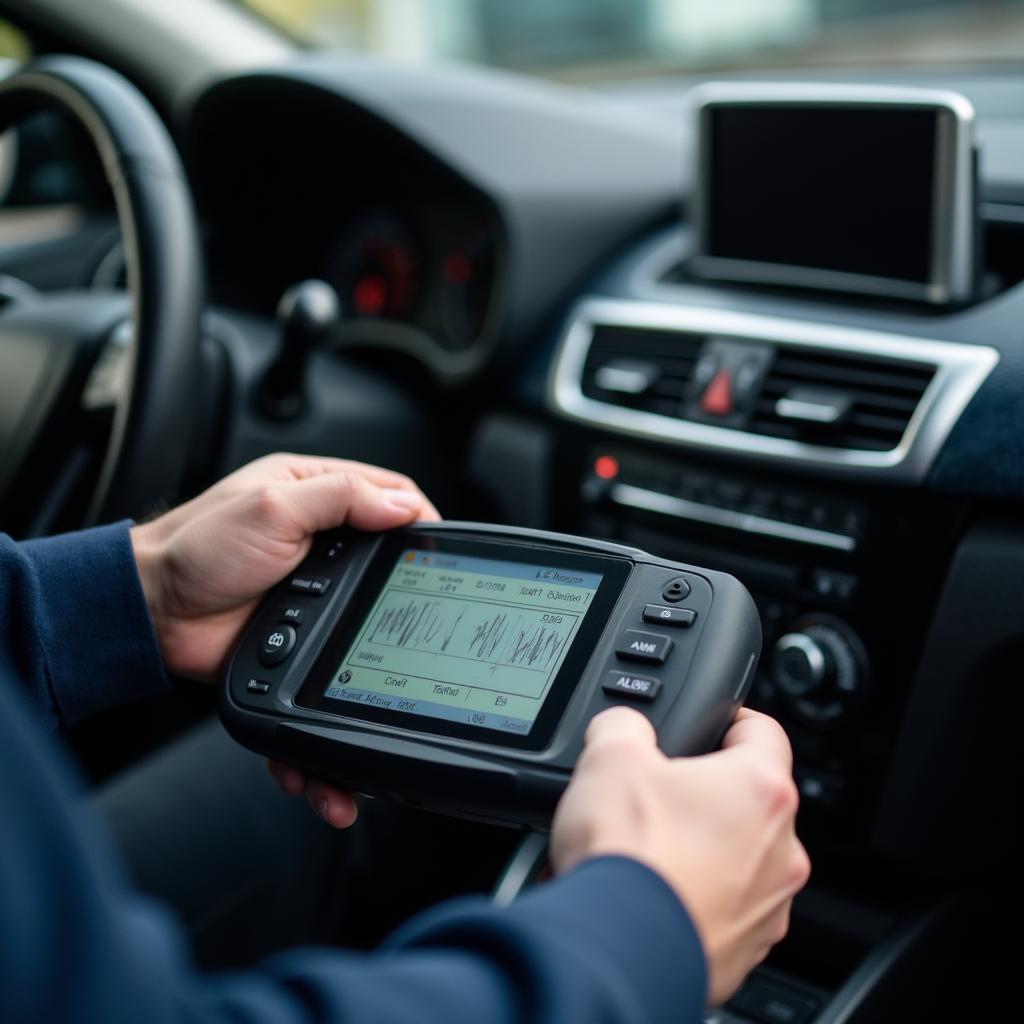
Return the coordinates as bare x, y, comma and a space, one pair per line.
614, 569
952, 260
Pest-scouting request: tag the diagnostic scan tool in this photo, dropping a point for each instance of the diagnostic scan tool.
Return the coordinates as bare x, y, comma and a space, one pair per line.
455, 666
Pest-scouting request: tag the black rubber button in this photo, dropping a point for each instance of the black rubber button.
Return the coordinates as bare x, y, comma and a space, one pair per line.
676, 590
621, 684
658, 614
315, 586
277, 645
637, 645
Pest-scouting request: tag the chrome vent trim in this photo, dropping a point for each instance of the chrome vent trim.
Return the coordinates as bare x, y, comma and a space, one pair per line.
959, 372
881, 397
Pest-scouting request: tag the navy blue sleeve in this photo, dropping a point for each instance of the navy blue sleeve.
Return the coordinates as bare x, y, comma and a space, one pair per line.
74, 627
609, 942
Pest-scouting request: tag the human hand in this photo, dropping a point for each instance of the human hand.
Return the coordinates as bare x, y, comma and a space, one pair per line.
719, 829
205, 565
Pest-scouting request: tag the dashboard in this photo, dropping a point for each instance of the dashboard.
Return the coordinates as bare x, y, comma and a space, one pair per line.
570, 214
521, 317
529, 249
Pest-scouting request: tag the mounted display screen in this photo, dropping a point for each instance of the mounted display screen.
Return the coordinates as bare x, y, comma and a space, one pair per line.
469, 641
870, 196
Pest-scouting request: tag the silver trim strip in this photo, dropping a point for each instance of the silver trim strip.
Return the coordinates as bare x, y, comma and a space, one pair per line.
960, 371
681, 508
951, 261
522, 869
807, 412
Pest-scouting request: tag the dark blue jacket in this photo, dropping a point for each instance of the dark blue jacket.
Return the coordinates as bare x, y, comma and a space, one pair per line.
607, 943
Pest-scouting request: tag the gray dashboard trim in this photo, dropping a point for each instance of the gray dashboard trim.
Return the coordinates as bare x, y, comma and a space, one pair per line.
960, 371
680, 508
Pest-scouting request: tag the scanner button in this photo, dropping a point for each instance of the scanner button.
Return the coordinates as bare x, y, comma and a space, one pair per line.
332, 550
257, 686
277, 645
659, 613
291, 613
636, 645
619, 684
315, 586
675, 590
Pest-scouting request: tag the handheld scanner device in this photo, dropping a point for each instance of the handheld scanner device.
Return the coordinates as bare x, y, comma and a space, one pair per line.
456, 666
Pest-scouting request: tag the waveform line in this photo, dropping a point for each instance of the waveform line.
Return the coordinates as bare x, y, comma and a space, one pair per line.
502, 638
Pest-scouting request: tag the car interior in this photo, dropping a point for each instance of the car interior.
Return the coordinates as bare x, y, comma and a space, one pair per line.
757, 309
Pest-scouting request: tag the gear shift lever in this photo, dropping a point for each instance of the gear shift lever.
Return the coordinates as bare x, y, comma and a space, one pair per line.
305, 312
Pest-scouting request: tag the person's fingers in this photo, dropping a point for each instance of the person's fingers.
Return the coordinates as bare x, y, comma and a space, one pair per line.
619, 725
284, 467
287, 466
428, 513
303, 507
759, 734
334, 805
290, 779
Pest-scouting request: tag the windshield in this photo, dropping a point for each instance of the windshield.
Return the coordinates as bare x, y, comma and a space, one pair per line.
595, 39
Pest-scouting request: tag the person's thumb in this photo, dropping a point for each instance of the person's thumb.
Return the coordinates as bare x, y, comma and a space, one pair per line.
620, 725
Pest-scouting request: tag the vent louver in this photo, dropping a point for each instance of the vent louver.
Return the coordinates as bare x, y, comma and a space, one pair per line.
882, 395
669, 356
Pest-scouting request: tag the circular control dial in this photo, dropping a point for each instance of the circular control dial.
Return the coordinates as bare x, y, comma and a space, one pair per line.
820, 669
799, 664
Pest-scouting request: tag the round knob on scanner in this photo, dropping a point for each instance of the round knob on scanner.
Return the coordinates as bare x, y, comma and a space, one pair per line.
820, 670
305, 313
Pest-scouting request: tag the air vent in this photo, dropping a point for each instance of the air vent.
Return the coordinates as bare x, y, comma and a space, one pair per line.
845, 400
877, 397
647, 370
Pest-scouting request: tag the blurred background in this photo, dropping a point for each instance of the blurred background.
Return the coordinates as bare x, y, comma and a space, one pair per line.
599, 39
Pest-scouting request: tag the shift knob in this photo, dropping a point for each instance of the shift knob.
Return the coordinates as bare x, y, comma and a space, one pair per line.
305, 312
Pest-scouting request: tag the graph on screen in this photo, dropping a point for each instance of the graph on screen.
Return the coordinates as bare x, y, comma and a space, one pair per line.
494, 634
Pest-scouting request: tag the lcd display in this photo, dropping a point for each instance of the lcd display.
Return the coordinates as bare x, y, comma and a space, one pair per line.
467, 639
842, 189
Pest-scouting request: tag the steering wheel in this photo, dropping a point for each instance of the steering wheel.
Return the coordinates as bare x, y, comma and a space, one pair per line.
69, 352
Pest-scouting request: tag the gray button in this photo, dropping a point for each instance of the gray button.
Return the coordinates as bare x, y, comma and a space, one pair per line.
637, 645
315, 586
659, 613
621, 684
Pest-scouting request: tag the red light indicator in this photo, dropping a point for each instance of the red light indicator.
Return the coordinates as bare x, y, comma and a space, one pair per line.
370, 295
606, 467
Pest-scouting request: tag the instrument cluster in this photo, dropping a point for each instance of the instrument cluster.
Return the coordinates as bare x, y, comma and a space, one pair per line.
432, 267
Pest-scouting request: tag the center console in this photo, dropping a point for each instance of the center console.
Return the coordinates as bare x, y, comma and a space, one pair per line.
781, 451
791, 454
769, 390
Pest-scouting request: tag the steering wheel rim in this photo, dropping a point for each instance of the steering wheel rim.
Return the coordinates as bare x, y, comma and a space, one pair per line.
150, 439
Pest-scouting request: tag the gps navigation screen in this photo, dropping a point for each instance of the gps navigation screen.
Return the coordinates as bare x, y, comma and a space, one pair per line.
467, 639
